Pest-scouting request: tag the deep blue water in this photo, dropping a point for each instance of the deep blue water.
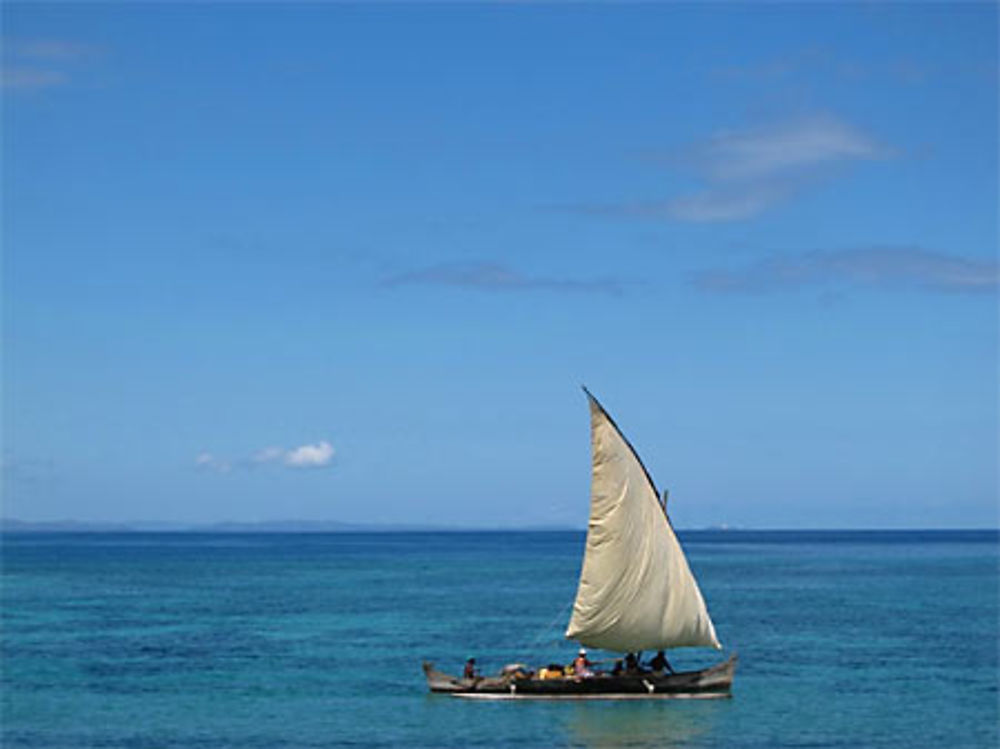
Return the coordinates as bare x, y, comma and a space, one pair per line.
315, 640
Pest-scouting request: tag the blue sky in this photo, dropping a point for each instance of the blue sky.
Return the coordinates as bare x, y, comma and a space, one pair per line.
345, 262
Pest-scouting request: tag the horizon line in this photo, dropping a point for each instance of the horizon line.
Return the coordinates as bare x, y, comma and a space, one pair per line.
15, 525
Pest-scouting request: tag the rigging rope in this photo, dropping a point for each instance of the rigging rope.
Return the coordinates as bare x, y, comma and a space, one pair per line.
548, 627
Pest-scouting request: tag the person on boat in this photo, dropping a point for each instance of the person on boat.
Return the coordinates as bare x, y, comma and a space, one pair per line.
582, 666
660, 663
470, 669
631, 663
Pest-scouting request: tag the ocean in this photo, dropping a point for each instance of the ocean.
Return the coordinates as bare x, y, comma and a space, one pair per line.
204, 641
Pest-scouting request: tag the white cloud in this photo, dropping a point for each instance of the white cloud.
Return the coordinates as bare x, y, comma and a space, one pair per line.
744, 173
208, 462
792, 147
310, 456
747, 172
319, 455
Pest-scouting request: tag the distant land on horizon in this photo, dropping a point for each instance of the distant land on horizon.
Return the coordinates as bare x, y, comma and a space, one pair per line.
14, 525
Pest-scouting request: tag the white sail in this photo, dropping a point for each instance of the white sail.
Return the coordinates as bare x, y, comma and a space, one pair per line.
636, 590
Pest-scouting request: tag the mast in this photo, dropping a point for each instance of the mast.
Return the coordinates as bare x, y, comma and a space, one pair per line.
636, 589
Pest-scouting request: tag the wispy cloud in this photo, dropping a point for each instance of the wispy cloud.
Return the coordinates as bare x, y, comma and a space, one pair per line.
732, 204
744, 173
50, 49
788, 148
706, 206
268, 455
900, 267
318, 455
31, 64
498, 278
205, 461
748, 172
31, 78
816, 62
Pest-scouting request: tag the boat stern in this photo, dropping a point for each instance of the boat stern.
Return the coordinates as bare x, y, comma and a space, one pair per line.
720, 676
438, 681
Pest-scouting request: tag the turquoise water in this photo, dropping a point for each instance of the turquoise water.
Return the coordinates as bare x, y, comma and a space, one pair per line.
203, 641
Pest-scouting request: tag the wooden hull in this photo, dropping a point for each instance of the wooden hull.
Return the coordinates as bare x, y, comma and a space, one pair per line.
708, 683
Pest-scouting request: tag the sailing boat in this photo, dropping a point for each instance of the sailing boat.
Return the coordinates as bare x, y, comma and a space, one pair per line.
636, 592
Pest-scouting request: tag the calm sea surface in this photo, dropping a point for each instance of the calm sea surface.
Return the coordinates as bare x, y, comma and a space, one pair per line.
315, 640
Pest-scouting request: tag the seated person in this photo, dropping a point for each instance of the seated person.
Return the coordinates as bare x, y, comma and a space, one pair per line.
581, 666
631, 664
660, 663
